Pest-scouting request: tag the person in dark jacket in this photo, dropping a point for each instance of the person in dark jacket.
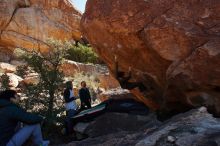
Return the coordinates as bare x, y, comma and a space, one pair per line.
10, 117
85, 97
70, 105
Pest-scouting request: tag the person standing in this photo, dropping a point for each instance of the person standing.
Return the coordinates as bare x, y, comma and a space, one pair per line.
10, 117
85, 97
70, 105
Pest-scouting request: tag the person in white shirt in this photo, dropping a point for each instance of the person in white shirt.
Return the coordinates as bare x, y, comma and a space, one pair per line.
70, 105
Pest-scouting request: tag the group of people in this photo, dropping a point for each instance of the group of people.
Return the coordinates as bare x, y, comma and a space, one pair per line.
71, 105
17, 126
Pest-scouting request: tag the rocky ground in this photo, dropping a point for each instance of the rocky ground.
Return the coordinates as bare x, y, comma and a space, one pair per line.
193, 128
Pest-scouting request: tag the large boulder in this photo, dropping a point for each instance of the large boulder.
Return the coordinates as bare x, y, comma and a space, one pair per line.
116, 93
29, 23
112, 123
194, 128
171, 46
116, 129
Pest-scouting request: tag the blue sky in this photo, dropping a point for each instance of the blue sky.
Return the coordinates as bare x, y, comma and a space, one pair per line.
80, 4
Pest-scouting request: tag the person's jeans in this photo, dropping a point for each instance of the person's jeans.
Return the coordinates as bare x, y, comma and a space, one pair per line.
29, 131
69, 123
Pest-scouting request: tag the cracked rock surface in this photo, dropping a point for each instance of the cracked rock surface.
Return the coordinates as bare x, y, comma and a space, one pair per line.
29, 23
193, 128
172, 46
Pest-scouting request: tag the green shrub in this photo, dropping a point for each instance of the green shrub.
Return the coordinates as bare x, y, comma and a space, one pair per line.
50, 76
22, 70
45, 98
83, 54
4, 82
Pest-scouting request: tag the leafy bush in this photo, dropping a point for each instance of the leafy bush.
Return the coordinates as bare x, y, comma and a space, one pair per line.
83, 54
4, 82
50, 76
45, 97
22, 71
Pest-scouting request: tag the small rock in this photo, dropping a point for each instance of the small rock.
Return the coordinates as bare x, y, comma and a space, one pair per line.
171, 139
202, 109
31, 80
7, 68
81, 127
18, 63
14, 80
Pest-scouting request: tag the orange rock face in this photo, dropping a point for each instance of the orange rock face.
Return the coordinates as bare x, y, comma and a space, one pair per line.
29, 23
107, 81
171, 46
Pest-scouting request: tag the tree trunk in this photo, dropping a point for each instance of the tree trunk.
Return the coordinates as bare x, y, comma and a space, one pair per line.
50, 105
